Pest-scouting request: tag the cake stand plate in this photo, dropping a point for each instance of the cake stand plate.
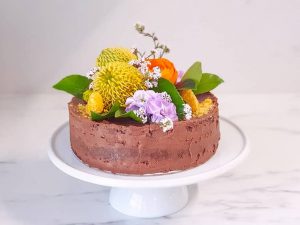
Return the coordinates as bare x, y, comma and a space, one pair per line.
155, 195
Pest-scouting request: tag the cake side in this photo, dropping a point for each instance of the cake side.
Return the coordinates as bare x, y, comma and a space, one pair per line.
127, 147
134, 112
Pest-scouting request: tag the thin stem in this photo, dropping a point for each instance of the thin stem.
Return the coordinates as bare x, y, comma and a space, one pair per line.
157, 45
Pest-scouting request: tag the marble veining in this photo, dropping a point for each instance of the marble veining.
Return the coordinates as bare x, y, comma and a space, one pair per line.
264, 189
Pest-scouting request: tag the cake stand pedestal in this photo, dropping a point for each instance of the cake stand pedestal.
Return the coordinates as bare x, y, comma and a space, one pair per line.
148, 202
155, 195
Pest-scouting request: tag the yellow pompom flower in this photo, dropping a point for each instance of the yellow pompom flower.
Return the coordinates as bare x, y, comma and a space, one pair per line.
95, 103
116, 82
114, 55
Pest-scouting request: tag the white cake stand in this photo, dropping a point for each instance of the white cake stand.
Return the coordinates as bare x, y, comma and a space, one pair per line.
151, 195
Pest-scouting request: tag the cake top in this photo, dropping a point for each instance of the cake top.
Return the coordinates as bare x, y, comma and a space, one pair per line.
143, 86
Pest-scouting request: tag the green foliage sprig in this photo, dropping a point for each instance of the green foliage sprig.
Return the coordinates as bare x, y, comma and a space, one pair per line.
74, 84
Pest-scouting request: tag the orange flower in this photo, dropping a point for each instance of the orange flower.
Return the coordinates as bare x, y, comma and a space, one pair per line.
167, 68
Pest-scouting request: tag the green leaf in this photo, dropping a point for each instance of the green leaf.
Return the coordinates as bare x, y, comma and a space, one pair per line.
74, 84
102, 116
186, 84
193, 73
121, 113
167, 86
207, 83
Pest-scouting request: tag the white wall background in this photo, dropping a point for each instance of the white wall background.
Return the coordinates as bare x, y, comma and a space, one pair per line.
253, 44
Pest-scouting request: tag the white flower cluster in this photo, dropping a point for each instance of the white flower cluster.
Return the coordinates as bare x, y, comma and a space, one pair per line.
141, 113
166, 124
166, 96
155, 74
91, 75
151, 77
92, 72
187, 111
141, 65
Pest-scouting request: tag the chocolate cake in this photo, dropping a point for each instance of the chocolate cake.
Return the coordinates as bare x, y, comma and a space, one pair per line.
135, 113
131, 148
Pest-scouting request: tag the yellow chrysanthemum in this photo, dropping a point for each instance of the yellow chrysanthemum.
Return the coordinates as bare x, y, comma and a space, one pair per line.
198, 108
114, 55
116, 82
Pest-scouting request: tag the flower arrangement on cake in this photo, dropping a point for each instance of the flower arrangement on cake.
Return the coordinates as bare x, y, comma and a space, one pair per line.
145, 87
118, 106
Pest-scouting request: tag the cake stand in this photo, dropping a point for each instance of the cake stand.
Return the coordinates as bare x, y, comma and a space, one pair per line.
155, 195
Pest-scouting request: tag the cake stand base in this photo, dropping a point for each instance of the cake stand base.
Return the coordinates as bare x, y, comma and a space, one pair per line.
148, 202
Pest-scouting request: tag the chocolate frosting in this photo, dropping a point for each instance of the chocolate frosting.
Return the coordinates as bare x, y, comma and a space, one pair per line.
127, 147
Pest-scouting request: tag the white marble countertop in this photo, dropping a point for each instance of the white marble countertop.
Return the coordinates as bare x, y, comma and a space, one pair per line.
264, 189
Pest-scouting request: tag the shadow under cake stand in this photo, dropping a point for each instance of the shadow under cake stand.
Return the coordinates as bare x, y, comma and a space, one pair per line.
155, 195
